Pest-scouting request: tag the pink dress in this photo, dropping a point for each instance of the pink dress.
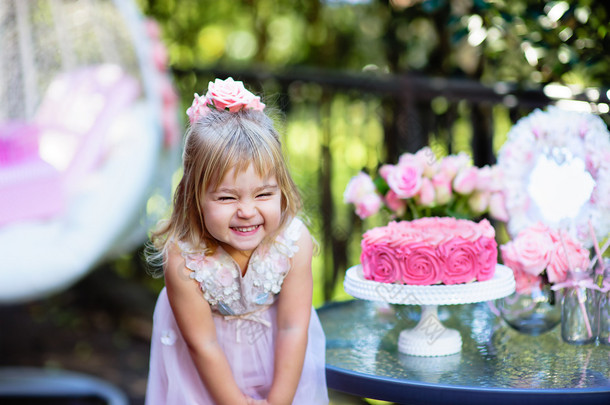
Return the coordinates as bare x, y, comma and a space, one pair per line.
245, 315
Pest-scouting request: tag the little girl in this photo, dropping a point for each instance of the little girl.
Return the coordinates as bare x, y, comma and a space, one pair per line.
234, 323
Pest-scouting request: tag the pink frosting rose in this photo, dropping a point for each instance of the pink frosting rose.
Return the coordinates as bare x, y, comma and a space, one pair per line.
461, 261
405, 180
467, 230
486, 229
380, 263
487, 257
422, 266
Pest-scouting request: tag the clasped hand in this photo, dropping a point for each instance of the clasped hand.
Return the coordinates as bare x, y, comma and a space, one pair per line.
252, 401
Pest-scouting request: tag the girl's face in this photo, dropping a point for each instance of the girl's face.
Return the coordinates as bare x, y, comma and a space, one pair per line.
242, 211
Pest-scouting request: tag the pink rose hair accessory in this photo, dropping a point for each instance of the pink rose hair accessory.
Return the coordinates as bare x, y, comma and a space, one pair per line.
227, 95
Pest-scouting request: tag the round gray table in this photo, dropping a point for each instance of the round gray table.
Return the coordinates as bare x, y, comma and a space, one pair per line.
497, 365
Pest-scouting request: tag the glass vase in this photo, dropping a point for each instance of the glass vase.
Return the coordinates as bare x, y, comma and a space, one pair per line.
604, 318
603, 306
532, 312
579, 310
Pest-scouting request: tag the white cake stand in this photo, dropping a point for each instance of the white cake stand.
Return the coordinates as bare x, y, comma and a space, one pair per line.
430, 337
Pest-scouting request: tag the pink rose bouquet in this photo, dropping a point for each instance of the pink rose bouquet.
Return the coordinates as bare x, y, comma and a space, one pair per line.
539, 255
422, 185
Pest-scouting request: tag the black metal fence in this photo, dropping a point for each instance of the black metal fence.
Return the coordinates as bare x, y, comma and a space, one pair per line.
412, 111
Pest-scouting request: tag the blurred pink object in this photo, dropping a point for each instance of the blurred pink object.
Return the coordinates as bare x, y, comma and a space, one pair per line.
30, 188
77, 113
18, 143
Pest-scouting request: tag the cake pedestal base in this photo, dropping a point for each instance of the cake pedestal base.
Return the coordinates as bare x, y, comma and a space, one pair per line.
430, 337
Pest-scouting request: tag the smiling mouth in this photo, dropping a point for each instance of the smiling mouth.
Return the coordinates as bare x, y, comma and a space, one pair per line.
246, 228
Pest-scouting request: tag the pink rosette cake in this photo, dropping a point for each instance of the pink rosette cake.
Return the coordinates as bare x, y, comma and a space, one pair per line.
432, 250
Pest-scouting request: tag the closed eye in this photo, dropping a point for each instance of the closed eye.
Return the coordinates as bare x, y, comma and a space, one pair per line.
225, 198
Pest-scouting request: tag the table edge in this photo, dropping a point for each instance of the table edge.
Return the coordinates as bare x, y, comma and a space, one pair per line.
392, 389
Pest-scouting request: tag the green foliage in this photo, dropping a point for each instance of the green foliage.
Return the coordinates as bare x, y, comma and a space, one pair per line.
524, 41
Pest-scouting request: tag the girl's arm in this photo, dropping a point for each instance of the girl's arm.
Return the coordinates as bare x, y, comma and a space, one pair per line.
194, 318
294, 311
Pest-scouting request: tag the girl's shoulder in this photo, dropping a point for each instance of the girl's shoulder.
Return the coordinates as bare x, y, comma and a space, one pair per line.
292, 232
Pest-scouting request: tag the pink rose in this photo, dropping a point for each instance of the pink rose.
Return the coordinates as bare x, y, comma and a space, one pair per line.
426, 193
422, 266
358, 187
488, 257
497, 179
567, 254
484, 179
452, 164
405, 180
255, 104
368, 205
231, 95
442, 187
198, 109
510, 257
461, 261
526, 282
394, 203
497, 207
479, 202
427, 161
380, 264
385, 170
465, 180
534, 247
361, 192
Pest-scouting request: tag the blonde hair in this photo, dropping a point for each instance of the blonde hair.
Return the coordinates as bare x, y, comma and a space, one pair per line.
215, 144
